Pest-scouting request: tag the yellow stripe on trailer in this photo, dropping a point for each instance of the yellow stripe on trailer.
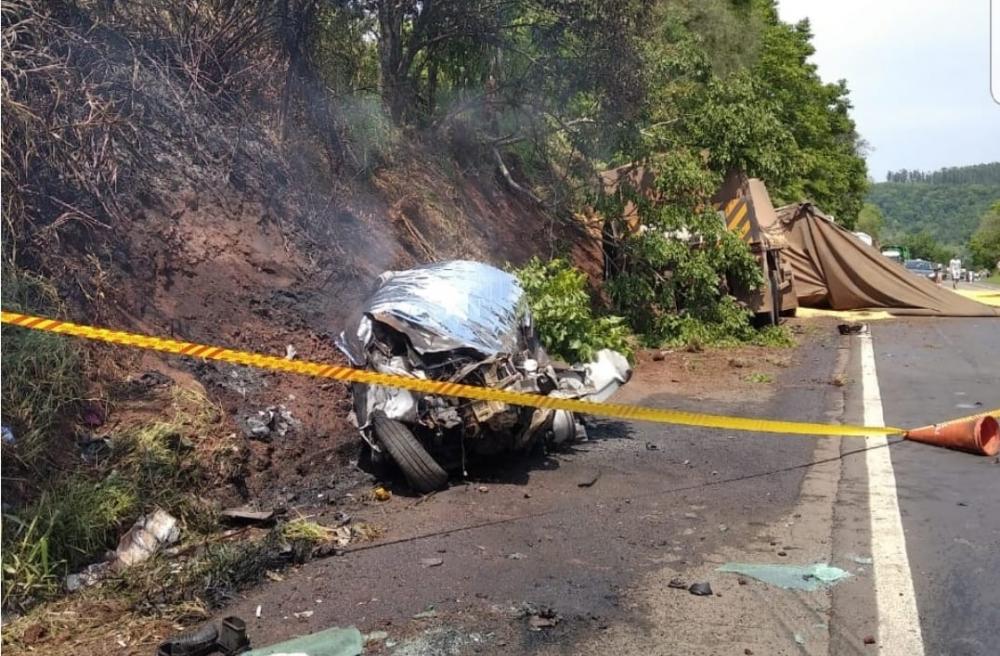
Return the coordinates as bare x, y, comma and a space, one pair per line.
737, 216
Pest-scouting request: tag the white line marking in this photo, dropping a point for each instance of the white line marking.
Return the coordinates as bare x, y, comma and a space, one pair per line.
898, 621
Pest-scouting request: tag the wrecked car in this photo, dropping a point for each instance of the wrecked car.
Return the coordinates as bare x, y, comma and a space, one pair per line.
461, 322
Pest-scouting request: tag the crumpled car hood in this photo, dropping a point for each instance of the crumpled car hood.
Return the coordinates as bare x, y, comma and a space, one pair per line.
442, 307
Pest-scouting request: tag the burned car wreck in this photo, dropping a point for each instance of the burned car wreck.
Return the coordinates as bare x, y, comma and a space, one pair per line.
463, 322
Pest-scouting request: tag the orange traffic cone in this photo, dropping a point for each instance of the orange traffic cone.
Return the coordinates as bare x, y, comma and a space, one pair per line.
980, 435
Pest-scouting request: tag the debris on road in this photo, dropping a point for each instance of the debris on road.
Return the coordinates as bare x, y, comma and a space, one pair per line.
330, 642
869, 640
426, 614
304, 614
861, 560
702, 589
381, 494
790, 577
678, 584
852, 328
245, 516
376, 636
149, 534
588, 480
201, 640
8, 435
431, 562
516, 556
543, 618
233, 636
275, 420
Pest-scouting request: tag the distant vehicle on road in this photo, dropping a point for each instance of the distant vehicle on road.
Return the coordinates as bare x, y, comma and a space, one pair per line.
865, 237
896, 253
922, 268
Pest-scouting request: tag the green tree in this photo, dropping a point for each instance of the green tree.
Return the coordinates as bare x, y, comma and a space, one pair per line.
870, 220
829, 168
922, 245
985, 242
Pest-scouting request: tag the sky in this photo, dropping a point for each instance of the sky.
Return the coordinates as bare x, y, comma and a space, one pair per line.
918, 73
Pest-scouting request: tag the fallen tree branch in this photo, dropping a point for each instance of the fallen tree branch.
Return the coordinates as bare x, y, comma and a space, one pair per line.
505, 172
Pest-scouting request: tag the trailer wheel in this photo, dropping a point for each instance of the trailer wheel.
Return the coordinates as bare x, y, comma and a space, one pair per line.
422, 472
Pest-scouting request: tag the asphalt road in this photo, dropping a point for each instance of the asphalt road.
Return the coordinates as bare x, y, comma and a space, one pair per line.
596, 534
949, 502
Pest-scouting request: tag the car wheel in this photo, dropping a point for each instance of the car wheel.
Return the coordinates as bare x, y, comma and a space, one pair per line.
422, 472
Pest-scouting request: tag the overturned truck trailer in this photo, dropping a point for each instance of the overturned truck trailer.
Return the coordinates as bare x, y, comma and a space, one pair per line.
747, 211
836, 270
744, 207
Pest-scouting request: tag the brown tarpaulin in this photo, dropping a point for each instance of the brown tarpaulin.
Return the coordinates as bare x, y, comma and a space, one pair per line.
834, 269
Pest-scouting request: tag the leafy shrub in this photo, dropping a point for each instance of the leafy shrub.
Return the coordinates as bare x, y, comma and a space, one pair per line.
563, 314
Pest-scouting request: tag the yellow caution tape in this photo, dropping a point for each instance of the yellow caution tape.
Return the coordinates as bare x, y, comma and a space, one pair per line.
442, 388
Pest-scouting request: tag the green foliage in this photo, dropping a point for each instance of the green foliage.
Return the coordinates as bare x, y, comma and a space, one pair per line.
827, 168
676, 271
741, 129
871, 221
42, 372
562, 311
985, 242
775, 336
923, 246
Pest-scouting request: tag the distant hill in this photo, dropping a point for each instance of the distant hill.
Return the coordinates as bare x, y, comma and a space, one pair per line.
947, 203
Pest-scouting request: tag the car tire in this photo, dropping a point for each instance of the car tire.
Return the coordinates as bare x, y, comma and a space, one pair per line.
422, 472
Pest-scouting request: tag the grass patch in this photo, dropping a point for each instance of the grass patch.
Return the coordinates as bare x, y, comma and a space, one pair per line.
76, 518
775, 336
42, 372
759, 377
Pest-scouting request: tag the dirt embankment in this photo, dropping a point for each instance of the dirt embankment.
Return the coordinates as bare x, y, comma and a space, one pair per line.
226, 226
214, 218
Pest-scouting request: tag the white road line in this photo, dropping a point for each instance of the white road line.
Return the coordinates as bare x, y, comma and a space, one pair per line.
898, 622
